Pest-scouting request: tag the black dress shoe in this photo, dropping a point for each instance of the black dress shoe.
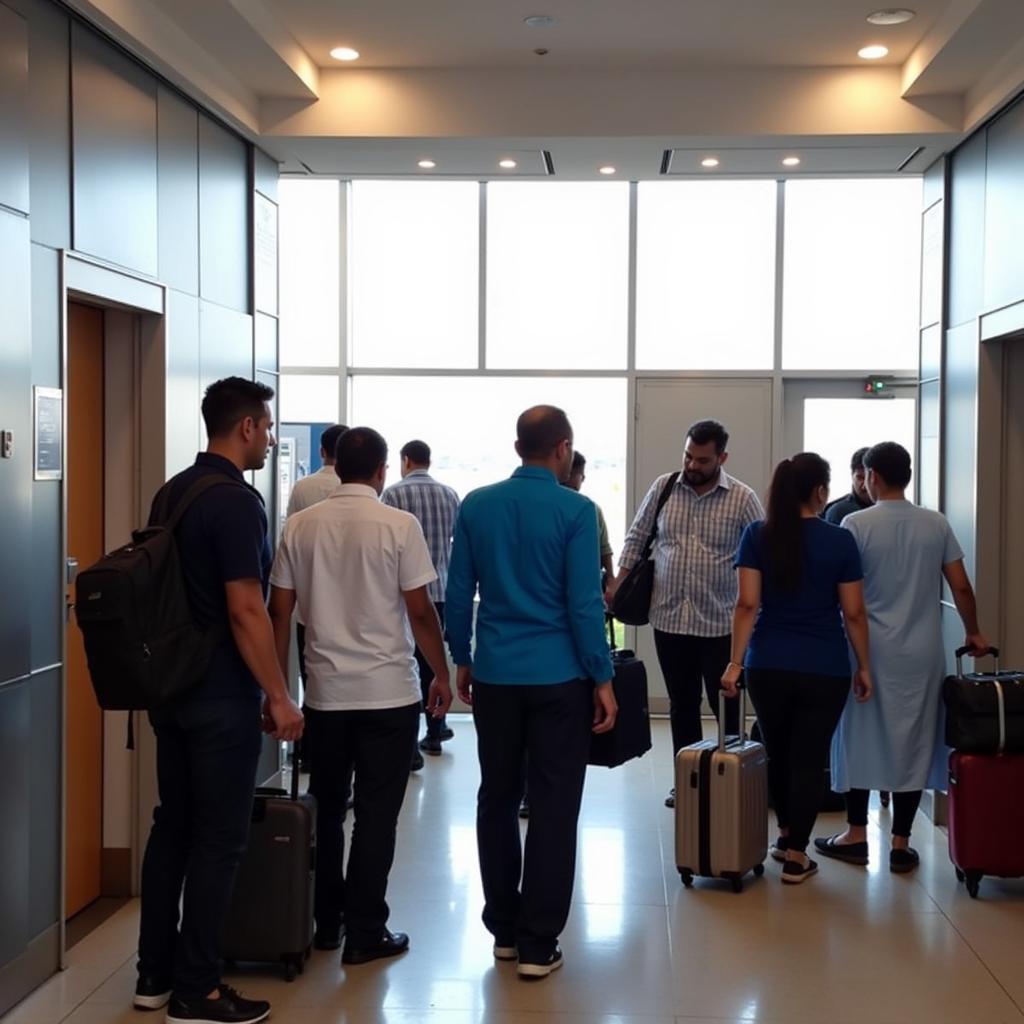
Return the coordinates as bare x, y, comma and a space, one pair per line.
430, 745
446, 734
228, 1008
391, 944
328, 938
151, 992
417, 762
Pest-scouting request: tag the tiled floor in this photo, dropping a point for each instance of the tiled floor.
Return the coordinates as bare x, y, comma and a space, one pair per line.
849, 947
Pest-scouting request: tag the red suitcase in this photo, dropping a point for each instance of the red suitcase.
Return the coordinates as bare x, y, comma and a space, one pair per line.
986, 816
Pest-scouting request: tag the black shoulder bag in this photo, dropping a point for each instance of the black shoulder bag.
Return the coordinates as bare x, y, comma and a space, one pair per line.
632, 601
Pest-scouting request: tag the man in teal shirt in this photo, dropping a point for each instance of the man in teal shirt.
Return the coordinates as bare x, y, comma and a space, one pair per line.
539, 680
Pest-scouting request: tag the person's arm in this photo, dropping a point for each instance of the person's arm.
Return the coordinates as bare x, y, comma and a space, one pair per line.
748, 602
586, 616
855, 620
282, 604
426, 631
966, 604
458, 607
254, 637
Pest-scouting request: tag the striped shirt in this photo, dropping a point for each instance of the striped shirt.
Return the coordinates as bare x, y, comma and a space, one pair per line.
436, 506
695, 585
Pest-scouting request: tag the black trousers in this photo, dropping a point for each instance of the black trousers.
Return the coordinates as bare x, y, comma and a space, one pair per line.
904, 809
434, 725
206, 757
527, 893
693, 665
797, 713
374, 747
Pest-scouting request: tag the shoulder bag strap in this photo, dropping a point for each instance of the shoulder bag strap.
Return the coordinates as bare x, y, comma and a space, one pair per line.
666, 492
200, 487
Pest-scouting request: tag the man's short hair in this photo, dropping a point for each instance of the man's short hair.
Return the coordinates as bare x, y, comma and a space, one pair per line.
579, 462
230, 400
857, 459
361, 452
540, 430
708, 432
417, 452
329, 439
891, 461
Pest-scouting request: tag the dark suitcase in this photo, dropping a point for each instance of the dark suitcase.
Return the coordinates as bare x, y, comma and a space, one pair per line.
722, 806
270, 919
986, 816
984, 710
631, 736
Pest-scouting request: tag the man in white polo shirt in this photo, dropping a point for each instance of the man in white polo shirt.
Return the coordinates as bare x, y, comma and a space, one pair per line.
359, 572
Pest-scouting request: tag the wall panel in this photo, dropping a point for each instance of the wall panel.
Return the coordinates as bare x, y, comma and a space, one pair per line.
178, 191
1004, 210
14, 836
960, 437
13, 110
115, 154
15, 472
44, 803
225, 345
265, 174
183, 391
266, 343
224, 199
966, 261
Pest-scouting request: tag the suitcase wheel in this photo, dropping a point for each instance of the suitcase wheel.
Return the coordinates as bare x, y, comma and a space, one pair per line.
293, 966
687, 876
973, 881
960, 875
758, 870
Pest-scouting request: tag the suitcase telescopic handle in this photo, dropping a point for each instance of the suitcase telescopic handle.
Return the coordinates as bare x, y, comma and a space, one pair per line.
721, 714
961, 651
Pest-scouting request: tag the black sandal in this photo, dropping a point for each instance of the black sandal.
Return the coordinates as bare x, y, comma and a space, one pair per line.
852, 853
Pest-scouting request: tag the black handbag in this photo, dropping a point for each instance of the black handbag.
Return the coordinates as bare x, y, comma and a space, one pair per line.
632, 601
984, 711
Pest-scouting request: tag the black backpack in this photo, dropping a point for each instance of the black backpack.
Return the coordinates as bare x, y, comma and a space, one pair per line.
141, 640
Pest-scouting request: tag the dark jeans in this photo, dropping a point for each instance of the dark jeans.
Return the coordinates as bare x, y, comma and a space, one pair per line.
550, 726
904, 809
434, 725
206, 757
687, 662
797, 713
374, 745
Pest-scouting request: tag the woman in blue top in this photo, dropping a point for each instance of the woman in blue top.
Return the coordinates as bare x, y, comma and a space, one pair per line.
797, 573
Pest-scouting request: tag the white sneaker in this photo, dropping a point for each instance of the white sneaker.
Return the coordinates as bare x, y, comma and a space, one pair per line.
540, 970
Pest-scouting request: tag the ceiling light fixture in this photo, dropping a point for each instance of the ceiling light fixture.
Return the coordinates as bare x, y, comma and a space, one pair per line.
892, 16
344, 53
875, 52
791, 161
540, 21
427, 165
709, 161
507, 165
606, 169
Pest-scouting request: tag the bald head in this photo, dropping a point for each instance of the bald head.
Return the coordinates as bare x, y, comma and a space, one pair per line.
540, 430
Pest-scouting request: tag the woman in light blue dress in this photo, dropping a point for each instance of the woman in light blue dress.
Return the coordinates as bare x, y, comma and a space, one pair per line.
895, 742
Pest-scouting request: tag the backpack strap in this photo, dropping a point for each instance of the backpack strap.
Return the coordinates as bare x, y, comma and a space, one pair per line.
182, 505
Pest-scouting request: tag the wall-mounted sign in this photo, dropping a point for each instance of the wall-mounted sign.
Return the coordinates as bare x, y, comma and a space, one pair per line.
48, 433
265, 254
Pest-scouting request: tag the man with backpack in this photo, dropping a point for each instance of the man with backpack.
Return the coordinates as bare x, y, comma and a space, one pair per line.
209, 737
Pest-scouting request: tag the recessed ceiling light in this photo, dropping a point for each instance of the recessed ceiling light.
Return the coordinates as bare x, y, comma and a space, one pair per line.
876, 52
606, 169
344, 53
709, 161
892, 16
791, 161
507, 164
427, 165
540, 21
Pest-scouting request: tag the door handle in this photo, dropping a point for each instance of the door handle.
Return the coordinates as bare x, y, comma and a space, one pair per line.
70, 569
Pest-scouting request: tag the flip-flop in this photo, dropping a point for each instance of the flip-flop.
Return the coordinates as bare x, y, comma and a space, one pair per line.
852, 853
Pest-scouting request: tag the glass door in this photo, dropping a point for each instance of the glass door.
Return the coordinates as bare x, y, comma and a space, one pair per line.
836, 417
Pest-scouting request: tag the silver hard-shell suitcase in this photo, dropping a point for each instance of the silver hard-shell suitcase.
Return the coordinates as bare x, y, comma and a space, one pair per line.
722, 806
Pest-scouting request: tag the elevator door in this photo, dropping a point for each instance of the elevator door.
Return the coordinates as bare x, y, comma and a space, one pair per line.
85, 461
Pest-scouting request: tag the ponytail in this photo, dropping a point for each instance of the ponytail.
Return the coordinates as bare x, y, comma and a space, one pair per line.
793, 484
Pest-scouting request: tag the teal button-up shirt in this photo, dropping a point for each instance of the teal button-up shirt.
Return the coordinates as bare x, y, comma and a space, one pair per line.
528, 545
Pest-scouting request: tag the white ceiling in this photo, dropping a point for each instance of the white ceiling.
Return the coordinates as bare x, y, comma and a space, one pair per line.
605, 34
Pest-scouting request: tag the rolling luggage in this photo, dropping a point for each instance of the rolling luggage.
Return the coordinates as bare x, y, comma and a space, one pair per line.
270, 919
986, 816
722, 806
631, 736
984, 710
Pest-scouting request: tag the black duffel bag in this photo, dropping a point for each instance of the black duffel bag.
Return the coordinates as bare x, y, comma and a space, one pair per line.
984, 710
632, 601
